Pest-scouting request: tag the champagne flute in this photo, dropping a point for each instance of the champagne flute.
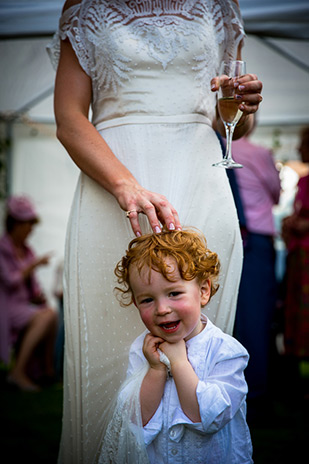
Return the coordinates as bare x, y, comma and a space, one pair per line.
228, 107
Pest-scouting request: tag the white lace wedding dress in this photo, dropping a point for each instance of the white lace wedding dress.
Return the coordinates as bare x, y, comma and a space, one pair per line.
151, 62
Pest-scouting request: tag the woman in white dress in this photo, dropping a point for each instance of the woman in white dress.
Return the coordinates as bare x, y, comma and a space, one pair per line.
146, 68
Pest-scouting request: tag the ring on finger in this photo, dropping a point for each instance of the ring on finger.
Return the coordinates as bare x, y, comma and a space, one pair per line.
130, 211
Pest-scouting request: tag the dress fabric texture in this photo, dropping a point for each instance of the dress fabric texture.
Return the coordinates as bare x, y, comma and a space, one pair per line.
150, 63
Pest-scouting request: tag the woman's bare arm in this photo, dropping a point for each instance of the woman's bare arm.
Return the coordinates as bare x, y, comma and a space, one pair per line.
92, 154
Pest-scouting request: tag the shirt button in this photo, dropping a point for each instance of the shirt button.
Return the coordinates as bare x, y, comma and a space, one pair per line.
172, 433
174, 451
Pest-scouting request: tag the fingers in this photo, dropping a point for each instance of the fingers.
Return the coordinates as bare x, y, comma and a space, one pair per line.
250, 79
152, 339
166, 214
214, 84
133, 217
174, 351
248, 93
158, 211
150, 347
43, 260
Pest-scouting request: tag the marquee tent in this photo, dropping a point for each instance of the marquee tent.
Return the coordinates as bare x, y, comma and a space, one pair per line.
276, 50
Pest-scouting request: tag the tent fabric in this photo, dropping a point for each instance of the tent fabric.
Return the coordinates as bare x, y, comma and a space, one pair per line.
272, 18
27, 78
276, 18
276, 50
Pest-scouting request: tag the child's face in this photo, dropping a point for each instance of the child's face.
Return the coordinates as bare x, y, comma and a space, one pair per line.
170, 310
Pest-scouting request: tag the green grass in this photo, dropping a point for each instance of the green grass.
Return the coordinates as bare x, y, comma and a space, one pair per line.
31, 425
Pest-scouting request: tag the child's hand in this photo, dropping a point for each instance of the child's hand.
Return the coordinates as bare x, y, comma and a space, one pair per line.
175, 351
150, 350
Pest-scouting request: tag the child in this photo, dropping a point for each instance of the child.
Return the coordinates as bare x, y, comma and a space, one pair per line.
192, 411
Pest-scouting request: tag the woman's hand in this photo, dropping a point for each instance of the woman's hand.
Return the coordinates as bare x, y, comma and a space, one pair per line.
247, 91
136, 200
39, 261
43, 260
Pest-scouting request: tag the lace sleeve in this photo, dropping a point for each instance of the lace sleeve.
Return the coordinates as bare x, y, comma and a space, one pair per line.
230, 28
70, 27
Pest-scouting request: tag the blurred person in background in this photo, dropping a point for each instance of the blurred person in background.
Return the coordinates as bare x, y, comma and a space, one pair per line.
259, 187
26, 319
295, 232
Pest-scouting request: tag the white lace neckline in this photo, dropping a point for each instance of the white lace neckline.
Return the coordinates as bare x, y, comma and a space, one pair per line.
162, 29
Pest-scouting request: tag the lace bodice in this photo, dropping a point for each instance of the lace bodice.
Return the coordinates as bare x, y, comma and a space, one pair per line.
151, 57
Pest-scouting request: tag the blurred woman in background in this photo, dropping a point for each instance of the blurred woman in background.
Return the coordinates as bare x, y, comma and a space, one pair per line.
295, 232
26, 319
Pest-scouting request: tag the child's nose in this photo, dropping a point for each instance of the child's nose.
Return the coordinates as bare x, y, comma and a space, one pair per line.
162, 308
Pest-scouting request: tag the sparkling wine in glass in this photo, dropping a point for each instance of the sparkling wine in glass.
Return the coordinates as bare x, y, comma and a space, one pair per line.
228, 107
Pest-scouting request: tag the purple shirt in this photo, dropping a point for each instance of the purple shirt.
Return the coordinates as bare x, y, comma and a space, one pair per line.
16, 308
259, 185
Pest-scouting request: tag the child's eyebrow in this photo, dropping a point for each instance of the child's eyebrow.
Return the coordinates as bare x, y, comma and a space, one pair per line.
142, 295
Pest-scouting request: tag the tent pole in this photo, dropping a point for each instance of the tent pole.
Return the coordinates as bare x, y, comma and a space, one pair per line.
25, 108
8, 158
283, 53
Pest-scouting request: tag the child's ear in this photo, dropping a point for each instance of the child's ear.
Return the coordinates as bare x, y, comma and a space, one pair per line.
205, 288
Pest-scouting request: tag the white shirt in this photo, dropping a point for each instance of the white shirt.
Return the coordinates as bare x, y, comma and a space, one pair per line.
222, 436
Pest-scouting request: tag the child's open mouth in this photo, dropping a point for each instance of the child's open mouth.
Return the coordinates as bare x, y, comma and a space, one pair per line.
170, 326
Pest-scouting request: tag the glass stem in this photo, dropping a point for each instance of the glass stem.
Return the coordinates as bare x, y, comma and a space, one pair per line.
229, 130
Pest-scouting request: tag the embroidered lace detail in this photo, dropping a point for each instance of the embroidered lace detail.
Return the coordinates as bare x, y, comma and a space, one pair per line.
70, 27
229, 32
162, 28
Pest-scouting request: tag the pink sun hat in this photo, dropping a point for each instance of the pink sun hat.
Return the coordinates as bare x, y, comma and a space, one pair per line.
21, 208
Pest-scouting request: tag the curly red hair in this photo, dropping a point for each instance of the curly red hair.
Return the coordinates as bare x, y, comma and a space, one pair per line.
187, 247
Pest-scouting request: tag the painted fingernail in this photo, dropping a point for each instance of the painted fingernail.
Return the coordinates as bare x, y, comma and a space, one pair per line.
138, 234
238, 97
241, 87
171, 226
157, 229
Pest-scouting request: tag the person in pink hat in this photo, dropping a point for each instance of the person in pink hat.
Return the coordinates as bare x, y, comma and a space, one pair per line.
26, 319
